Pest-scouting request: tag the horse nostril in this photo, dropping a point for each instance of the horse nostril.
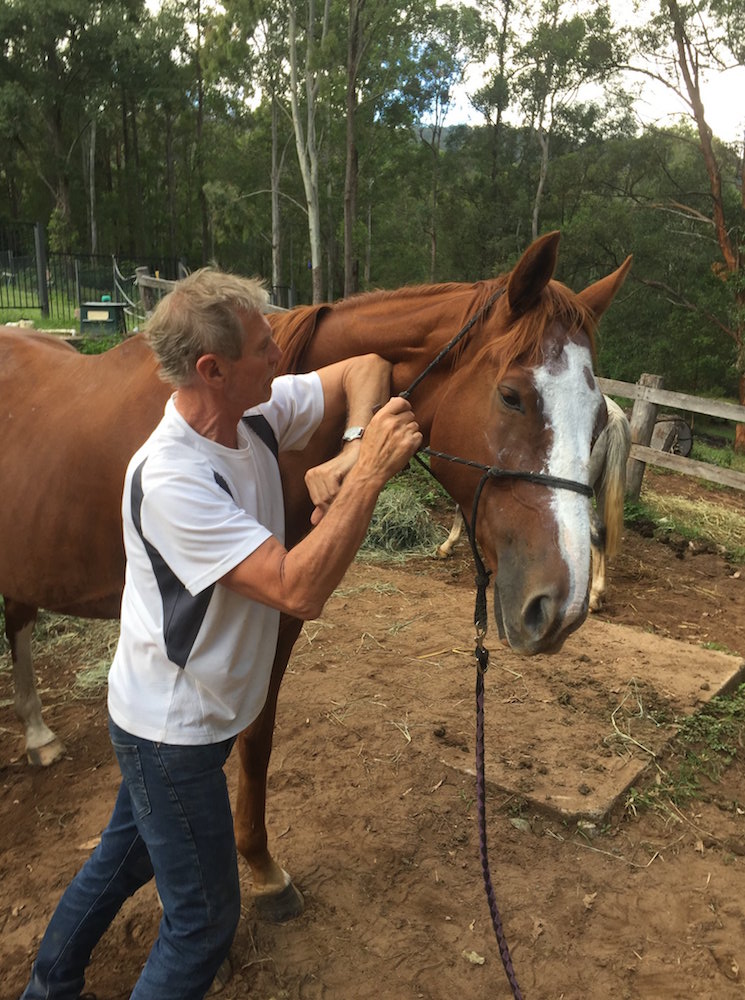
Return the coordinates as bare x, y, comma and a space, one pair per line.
539, 615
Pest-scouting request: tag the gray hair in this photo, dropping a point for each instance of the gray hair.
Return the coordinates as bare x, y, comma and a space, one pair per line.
201, 316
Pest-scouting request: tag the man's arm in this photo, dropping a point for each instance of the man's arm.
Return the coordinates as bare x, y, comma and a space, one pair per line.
353, 389
300, 581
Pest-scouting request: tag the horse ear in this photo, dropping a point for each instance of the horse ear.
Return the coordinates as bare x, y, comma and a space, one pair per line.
532, 273
598, 296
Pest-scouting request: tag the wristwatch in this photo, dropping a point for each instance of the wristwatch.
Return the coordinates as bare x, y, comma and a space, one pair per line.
352, 434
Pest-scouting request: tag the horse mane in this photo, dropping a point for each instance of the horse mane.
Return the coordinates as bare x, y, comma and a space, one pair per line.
523, 337
294, 336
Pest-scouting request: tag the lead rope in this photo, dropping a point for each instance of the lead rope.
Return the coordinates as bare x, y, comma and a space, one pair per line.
480, 621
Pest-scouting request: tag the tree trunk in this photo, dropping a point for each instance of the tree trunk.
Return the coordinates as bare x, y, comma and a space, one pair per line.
351, 262
276, 246
139, 197
305, 138
170, 186
92, 187
199, 153
543, 139
734, 260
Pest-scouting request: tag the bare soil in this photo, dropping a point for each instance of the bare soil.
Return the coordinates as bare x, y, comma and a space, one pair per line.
372, 806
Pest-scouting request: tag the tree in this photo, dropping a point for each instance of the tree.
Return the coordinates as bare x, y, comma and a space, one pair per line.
677, 47
562, 55
54, 58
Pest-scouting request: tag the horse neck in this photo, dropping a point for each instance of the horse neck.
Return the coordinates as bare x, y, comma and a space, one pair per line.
407, 328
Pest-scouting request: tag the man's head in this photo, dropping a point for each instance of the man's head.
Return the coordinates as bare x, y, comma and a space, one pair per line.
202, 315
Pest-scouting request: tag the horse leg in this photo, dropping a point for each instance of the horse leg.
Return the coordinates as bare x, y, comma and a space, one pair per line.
444, 551
597, 539
275, 896
43, 747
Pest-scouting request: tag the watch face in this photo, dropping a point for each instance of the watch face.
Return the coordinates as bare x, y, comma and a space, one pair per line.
352, 433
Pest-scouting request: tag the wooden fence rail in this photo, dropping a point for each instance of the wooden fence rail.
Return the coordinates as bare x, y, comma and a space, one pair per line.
648, 394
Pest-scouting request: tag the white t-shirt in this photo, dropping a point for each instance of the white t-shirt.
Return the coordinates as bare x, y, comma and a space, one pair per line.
194, 659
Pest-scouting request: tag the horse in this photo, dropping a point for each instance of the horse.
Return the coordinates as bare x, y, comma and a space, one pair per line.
608, 459
517, 392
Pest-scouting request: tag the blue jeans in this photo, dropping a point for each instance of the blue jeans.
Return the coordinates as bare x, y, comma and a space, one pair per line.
172, 819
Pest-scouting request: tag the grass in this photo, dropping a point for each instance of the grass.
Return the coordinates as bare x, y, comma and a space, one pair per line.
66, 320
705, 745
402, 522
714, 454
86, 644
704, 521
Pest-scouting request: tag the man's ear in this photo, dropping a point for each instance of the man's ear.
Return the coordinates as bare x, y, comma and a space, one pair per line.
210, 368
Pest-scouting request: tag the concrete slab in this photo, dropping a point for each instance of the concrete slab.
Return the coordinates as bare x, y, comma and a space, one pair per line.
571, 733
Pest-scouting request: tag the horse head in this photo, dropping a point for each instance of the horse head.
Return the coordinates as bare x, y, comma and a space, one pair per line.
523, 400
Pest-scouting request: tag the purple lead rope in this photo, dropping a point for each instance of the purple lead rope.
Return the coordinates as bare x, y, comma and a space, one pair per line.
482, 656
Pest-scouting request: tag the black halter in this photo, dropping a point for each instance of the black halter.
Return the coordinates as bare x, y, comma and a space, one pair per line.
481, 617
492, 472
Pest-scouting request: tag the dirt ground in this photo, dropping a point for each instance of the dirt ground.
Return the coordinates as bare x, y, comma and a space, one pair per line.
372, 806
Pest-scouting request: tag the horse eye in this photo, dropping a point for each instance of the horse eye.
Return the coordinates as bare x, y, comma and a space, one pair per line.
510, 398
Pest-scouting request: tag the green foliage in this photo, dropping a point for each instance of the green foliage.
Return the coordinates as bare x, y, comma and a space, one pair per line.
705, 744
99, 345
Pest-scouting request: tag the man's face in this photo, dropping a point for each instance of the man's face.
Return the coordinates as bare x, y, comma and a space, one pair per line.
250, 376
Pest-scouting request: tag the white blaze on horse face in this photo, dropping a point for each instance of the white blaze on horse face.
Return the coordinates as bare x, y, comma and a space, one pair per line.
571, 401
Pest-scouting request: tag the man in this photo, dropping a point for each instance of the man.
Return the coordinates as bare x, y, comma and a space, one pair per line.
207, 576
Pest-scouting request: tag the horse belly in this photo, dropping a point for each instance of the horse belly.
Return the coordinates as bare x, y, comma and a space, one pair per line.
61, 549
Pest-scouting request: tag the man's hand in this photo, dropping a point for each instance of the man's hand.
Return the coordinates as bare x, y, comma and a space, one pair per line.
323, 481
390, 439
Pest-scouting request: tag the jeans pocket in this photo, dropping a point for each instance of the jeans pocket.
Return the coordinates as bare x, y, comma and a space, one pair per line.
131, 768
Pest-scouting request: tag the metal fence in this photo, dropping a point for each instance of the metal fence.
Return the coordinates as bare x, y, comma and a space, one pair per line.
37, 282
34, 281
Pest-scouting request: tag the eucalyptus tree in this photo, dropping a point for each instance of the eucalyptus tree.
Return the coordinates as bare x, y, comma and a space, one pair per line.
610, 196
248, 59
564, 49
55, 56
679, 45
408, 56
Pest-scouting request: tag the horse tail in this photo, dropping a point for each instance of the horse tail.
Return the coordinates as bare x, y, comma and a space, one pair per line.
608, 473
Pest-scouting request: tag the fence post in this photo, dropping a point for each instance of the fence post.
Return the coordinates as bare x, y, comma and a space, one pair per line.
40, 245
643, 417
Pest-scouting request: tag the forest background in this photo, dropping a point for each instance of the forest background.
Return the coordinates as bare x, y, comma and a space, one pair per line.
313, 142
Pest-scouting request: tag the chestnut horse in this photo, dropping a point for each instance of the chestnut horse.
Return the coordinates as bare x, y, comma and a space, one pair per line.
608, 459
518, 393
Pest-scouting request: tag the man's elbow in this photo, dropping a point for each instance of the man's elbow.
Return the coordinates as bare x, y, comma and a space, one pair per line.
306, 608
301, 599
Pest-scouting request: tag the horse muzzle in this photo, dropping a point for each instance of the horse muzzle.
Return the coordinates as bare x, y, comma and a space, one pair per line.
538, 623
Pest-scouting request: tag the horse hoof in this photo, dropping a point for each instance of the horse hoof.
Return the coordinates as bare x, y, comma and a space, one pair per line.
223, 977
45, 755
278, 907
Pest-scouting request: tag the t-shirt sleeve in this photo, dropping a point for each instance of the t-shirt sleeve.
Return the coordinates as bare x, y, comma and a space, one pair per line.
197, 528
295, 409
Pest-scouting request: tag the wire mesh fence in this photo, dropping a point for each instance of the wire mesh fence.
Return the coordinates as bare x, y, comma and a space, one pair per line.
35, 282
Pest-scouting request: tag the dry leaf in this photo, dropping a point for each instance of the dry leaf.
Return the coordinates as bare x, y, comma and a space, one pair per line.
474, 958
589, 899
